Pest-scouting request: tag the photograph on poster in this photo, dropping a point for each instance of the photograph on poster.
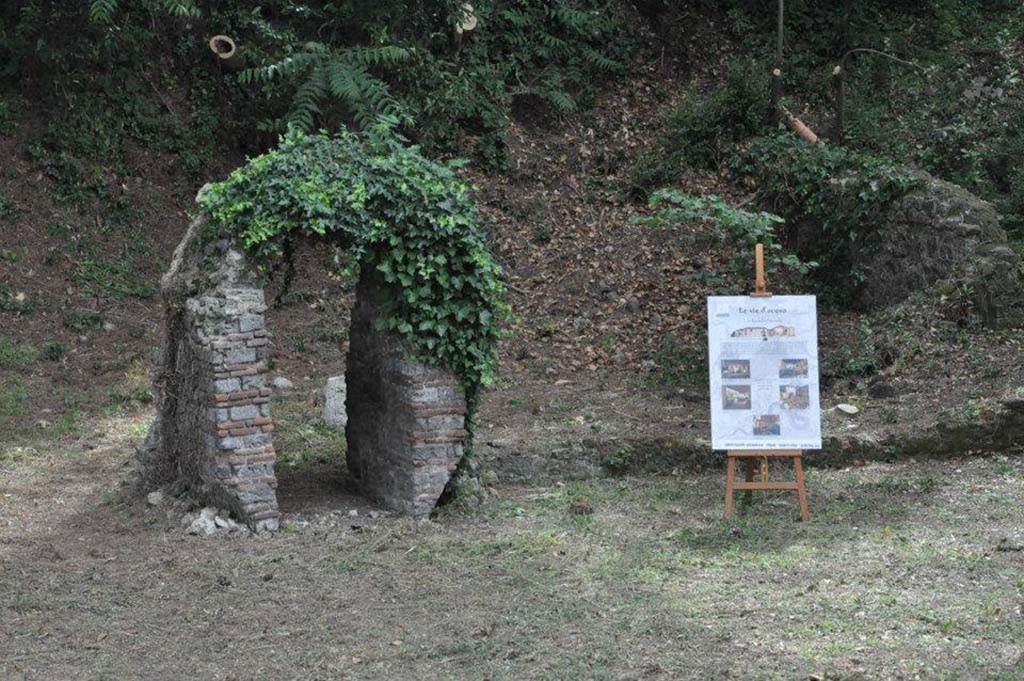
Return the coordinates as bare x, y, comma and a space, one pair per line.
735, 397
795, 396
793, 368
735, 368
764, 332
767, 424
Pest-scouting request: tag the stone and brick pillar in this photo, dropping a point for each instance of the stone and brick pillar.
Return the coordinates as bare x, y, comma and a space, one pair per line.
406, 420
213, 428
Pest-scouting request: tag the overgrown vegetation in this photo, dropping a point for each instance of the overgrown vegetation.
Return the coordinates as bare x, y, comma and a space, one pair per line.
408, 218
939, 86
704, 126
309, 65
732, 225
845, 194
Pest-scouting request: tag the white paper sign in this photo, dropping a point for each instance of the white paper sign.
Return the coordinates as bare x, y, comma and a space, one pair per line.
763, 356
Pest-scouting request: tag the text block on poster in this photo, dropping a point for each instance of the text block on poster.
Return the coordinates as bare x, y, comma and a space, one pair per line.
763, 356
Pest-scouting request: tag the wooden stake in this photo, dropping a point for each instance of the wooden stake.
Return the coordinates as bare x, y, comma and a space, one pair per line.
760, 290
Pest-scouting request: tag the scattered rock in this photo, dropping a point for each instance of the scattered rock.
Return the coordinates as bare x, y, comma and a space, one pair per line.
632, 306
204, 524
354, 513
282, 383
581, 324
222, 523
107, 326
155, 498
847, 408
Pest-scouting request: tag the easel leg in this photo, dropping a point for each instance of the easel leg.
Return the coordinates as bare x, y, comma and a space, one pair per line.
801, 492
748, 496
730, 472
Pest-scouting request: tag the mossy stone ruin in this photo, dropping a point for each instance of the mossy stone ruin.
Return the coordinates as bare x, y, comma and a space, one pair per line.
214, 429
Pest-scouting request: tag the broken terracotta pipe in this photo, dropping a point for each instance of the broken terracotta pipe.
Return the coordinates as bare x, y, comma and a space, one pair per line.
798, 126
228, 56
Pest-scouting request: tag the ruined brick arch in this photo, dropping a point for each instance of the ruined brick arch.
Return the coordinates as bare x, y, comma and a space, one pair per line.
214, 429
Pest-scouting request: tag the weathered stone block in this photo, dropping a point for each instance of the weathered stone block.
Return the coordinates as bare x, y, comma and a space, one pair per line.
334, 402
248, 411
227, 385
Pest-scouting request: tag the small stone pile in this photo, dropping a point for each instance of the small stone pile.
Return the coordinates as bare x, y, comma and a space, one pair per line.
205, 522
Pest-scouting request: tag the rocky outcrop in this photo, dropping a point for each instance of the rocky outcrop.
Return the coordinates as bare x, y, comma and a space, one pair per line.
941, 235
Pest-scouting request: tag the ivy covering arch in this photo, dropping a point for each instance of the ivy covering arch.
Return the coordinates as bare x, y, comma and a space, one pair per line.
409, 218
429, 294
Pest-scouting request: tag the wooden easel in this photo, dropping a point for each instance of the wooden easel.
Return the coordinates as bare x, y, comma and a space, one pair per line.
749, 455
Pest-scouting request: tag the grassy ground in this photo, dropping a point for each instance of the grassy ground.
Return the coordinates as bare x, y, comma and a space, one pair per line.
912, 570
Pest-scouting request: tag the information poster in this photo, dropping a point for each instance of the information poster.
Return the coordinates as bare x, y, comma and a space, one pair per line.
763, 356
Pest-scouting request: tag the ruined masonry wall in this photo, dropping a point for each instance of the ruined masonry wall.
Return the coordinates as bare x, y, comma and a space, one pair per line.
406, 421
238, 466
213, 428
214, 431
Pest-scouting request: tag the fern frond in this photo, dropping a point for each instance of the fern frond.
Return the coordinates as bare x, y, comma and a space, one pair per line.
387, 55
306, 102
102, 11
599, 61
181, 8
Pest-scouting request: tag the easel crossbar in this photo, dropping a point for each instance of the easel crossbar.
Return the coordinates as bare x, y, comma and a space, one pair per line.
765, 485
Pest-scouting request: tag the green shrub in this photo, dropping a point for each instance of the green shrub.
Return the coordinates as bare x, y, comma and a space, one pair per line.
1013, 206
13, 355
13, 398
844, 194
81, 320
703, 126
733, 225
52, 351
